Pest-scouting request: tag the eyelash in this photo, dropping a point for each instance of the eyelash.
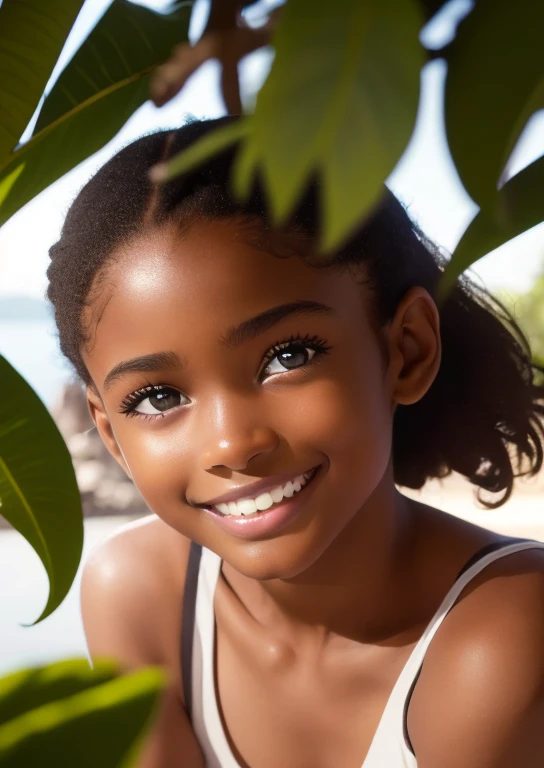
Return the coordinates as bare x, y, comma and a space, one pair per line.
310, 342
319, 346
131, 401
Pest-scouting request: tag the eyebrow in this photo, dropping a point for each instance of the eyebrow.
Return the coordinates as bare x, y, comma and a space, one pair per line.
143, 364
235, 336
255, 326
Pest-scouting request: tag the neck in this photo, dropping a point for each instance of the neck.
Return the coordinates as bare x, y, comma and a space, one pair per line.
353, 590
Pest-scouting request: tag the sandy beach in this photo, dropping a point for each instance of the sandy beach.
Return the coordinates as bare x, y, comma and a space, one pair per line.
522, 515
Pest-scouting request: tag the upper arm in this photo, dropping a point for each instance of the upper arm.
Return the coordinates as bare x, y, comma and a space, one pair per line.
118, 597
113, 595
479, 702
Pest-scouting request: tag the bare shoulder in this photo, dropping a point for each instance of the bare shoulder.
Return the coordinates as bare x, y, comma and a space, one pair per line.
480, 698
131, 590
131, 599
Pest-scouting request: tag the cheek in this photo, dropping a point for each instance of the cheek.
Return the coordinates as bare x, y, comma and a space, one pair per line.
347, 412
349, 420
159, 461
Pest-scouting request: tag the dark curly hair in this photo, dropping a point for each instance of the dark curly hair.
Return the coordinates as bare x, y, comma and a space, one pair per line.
482, 415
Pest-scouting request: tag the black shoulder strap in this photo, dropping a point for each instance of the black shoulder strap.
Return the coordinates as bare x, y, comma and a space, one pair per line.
188, 624
504, 542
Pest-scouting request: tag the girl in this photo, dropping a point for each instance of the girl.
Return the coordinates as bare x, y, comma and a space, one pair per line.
266, 405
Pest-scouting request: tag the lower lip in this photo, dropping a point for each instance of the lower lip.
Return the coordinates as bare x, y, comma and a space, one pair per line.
265, 523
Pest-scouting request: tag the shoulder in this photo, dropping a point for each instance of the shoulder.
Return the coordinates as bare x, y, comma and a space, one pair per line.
131, 589
479, 701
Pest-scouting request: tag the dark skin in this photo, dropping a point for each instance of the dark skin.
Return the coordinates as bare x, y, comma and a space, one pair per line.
331, 607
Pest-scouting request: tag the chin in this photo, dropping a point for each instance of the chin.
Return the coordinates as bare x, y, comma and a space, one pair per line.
281, 558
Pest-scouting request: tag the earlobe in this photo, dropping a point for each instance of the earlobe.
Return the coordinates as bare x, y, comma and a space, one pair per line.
414, 346
103, 426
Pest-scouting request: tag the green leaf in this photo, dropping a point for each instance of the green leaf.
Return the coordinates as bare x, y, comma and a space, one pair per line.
495, 82
31, 688
518, 206
210, 144
77, 134
39, 496
123, 42
341, 100
64, 144
103, 725
32, 34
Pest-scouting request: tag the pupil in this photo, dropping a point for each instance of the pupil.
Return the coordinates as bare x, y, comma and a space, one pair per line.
161, 400
293, 356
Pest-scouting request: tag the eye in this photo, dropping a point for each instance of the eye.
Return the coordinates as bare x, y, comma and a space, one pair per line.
293, 353
152, 401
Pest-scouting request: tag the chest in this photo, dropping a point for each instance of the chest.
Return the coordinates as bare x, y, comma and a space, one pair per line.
280, 707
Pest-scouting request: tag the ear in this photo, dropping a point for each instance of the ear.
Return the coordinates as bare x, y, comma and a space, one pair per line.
103, 426
414, 347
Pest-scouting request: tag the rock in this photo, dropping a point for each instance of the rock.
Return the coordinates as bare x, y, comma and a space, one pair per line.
89, 474
104, 486
81, 446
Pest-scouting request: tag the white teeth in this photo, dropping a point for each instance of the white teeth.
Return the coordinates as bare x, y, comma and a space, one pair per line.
264, 501
277, 494
288, 490
247, 507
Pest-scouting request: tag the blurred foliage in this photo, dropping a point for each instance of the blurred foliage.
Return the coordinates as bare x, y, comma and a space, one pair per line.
528, 309
340, 103
66, 714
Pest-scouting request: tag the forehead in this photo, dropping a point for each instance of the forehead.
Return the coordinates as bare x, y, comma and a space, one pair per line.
200, 282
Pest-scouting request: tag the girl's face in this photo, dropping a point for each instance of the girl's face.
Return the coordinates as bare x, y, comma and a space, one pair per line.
264, 366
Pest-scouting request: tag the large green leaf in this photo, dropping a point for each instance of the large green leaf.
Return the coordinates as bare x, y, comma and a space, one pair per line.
67, 142
89, 725
39, 496
495, 82
341, 100
77, 134
517, 207
32, 34
124, 41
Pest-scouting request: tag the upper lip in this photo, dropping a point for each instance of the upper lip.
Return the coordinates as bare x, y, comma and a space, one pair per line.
251, 489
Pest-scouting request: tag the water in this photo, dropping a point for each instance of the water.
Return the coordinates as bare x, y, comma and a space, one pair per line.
31, 347
23, 594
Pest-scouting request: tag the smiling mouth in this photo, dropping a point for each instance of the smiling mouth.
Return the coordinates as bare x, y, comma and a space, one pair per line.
267, 501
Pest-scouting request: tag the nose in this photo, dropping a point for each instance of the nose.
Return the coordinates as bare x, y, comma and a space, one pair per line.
234, 433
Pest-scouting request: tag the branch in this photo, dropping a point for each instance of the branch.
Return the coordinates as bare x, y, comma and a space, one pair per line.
226, 38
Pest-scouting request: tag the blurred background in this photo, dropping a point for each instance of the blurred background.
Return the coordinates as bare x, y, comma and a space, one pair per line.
424, 180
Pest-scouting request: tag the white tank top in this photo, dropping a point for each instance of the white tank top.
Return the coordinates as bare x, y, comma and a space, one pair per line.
390, 746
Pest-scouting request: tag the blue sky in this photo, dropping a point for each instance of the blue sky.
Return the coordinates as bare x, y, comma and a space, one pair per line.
424, 179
